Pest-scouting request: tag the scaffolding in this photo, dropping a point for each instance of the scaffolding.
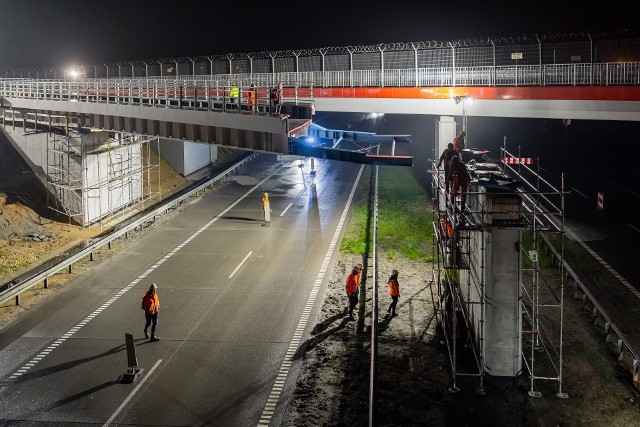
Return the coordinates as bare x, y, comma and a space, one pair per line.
94, 176
498, 314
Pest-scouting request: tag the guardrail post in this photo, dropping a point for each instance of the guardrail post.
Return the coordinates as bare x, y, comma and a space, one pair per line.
46, 283
91, 256
69, 268
620, 349
18, 299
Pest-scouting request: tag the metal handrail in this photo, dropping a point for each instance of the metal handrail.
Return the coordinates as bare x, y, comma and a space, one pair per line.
566, 74
610, 328
15, 290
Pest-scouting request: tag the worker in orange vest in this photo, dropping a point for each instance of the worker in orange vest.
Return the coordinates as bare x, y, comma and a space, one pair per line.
251, 98
352, 287
459, 144
151, 306
266, 209
394, 291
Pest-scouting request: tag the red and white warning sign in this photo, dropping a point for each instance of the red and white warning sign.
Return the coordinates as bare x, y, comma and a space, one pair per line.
517, 160
600, 201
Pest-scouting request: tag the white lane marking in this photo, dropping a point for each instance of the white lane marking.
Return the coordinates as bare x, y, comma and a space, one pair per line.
139, 278
602, 262
133, 392
633, 228
240, 265
286, 209
276, 390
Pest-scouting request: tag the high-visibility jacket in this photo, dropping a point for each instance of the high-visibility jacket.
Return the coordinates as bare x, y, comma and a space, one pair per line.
265, 200
394, 286
151, 303
353, 282
233, 93
251, 96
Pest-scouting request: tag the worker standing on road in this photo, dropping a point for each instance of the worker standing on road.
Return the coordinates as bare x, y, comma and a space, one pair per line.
151, 306
394, 291
445, 158
352, 287
266, 210
459, 144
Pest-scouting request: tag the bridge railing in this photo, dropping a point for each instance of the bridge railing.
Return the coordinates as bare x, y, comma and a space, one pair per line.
200, 91
603, 74
193, 92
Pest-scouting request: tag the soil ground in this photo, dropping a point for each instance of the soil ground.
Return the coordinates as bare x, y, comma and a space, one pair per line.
414, 369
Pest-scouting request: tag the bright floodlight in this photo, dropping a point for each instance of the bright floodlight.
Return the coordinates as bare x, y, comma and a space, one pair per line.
74, 73
459, 98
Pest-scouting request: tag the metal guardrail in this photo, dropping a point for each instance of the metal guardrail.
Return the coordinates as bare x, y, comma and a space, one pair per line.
14, 291
191, 92
625, 353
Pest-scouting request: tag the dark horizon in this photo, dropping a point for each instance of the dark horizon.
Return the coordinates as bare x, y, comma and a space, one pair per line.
76, 32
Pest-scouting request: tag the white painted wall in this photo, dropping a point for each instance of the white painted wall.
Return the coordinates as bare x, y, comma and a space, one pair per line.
186, 157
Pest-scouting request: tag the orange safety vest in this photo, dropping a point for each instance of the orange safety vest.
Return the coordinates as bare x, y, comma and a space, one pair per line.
353, 282
251, 96
151, 304
394, 287
265, 200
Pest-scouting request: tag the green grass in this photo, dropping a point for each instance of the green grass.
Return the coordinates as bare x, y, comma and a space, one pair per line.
404, 224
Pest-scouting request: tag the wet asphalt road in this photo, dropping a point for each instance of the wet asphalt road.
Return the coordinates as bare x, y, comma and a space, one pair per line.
232, 295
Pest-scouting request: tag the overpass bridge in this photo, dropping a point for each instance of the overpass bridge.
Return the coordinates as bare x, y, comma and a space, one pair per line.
585, 77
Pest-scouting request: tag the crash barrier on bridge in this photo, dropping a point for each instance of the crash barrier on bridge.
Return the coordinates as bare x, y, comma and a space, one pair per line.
558, 59
626, 355
13, 290
193, 93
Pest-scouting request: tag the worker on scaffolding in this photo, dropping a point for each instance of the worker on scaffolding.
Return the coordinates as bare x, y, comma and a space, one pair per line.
445, 158
459, 144
460, 178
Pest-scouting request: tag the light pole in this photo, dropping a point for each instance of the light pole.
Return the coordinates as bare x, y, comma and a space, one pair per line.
464, 99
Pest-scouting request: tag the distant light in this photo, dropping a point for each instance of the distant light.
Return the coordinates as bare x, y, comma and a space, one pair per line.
74, 73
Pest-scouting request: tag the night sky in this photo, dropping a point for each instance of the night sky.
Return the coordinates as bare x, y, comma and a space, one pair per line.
41, 33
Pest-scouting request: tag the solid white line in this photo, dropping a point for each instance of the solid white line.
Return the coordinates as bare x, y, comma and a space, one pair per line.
633, 228
276, 389
240, 265
286, 209
580, 193
121, 407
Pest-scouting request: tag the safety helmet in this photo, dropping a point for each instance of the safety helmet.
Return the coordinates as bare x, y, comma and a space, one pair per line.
153, 286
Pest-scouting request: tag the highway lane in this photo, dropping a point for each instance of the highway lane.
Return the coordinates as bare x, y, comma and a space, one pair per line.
232, 294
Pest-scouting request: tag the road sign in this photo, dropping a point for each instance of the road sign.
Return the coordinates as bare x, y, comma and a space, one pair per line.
600, 201
517, 160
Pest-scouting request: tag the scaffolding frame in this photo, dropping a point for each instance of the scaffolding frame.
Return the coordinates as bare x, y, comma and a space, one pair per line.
121, 179
454, 233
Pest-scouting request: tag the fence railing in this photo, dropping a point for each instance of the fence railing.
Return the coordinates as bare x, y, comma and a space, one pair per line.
579, 74
623, 350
